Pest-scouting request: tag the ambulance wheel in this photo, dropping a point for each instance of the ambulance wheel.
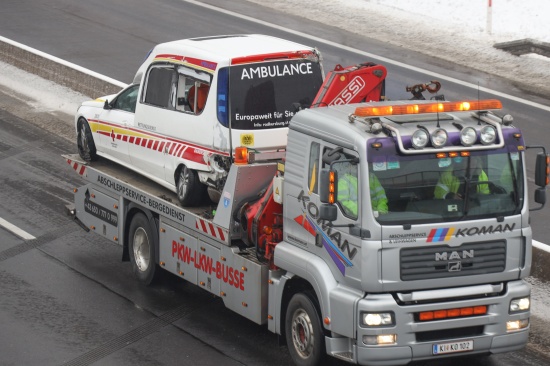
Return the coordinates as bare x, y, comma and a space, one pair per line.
303, 331
85, 141
141, 246
190, 190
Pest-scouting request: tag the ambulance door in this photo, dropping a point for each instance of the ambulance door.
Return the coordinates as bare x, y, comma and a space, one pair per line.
156, 106
118, 118
187, 125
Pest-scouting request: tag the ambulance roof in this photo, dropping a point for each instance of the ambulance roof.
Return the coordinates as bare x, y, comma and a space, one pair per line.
222, 48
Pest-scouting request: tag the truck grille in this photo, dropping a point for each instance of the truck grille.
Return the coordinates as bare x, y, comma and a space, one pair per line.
444, 261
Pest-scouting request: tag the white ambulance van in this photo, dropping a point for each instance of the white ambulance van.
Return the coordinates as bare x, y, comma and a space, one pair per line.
193, 101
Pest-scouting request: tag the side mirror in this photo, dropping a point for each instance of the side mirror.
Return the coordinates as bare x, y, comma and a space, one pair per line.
106, 105
332, 155
542, 169
328, 212
540, 196
328, 192
328, 195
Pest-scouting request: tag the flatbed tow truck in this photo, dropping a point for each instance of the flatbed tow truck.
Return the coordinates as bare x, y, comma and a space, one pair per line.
424, 278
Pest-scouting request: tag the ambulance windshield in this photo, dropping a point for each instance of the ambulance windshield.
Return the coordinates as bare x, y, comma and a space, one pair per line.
267, 94
426, 189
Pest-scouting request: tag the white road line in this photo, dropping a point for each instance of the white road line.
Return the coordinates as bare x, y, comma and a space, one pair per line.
372, 55
15, 230
541, 246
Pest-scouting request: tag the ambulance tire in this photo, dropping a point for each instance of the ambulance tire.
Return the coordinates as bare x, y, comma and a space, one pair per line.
190, 190
85, 141
141, 247
303, 331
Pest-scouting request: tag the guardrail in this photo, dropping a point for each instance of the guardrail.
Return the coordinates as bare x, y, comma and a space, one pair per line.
524, 46
61, 72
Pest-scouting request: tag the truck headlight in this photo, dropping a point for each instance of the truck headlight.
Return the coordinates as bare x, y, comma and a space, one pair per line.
380, 340
522, 304
377, 319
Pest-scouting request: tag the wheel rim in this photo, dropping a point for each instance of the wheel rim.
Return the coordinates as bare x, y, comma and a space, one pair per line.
83, 139
302, 333
141, 249
183, 182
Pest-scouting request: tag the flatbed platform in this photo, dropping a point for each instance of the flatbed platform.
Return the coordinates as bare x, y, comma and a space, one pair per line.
137, 180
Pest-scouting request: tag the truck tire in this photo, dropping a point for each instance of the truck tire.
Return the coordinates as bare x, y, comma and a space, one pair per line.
141, 246
304, 332
85, 141
190, 190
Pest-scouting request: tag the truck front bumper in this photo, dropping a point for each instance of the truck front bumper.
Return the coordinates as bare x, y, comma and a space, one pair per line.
416, 340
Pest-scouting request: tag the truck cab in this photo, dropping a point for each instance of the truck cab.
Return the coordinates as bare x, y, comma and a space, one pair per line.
415, 274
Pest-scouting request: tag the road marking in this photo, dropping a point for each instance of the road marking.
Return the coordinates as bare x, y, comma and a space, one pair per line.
15, 230
372, 55
541, 246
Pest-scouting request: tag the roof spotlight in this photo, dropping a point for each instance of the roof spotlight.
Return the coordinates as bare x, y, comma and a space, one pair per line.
468, 136
420, 139
439, 137
488, 135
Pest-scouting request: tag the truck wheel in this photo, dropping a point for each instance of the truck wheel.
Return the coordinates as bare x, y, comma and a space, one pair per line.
190, 189
303, 330
85, 141
142, 249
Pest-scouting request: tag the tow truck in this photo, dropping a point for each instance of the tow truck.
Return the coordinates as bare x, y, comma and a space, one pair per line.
422, 279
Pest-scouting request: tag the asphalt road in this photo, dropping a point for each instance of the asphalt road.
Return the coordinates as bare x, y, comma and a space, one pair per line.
65, 297
112, 38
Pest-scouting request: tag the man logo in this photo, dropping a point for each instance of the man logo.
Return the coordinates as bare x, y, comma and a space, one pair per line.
454, 266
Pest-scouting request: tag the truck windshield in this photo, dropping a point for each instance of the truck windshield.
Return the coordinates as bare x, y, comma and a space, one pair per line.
267, 94
426, 189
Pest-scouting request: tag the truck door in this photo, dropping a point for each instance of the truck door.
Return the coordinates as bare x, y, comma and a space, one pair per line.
341, 245
333, 241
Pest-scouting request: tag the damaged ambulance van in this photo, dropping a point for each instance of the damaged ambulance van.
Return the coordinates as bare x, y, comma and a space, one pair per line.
193, 101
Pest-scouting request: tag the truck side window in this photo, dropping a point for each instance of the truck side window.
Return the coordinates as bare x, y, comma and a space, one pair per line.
159, 86
313, 172
348, 186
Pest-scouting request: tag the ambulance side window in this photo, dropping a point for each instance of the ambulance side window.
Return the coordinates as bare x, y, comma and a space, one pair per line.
192, 90
126, 101
160, 87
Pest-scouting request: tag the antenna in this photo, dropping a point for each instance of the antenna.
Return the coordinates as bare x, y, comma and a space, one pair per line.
479, 120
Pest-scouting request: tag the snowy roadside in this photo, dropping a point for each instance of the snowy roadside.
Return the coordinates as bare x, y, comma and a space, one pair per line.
450, 30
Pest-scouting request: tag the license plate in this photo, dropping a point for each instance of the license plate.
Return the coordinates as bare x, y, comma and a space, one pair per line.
452, 347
